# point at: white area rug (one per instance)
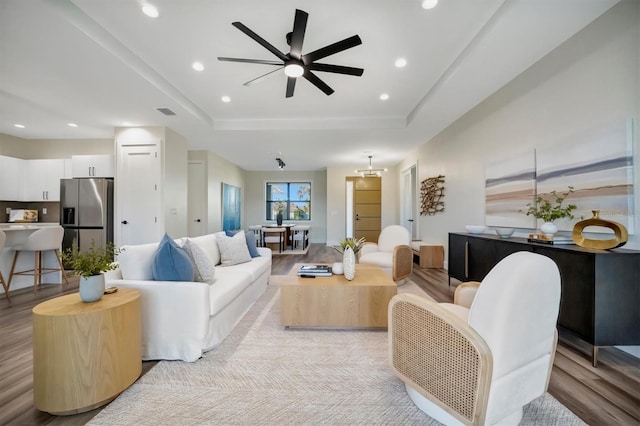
(263, 374)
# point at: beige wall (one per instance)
(219, 171)
(255, 199)
(53, 148)
(589, 83)
(175, 183)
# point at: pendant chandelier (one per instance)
(371, 172)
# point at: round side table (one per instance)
(85, 354)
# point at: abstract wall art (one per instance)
(231, 207)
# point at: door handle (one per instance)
(410, 220)
(124, 222)
(357, 216)
(197, 220)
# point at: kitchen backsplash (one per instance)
(52, 215)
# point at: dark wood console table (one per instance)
(600, 300)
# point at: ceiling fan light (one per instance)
(429, 4)
(293, 70)
(150, 10)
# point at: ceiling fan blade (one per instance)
(262, 77)
(251, 61)
(297, 37)
(331, 49)
(339, 69)
(315, 80)
(264, 43)
(291, 85)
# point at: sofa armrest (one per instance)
(264, 251)
(114, 274)
(175, 317)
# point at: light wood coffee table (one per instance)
(335, 302)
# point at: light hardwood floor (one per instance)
(607, 395)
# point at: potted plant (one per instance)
(90, 265)
(551, 209)
(354, 244)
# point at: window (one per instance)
(293, 199)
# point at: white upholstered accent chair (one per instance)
(482, 364)
(392, 252)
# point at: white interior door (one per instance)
(139, 202)
(197, 199)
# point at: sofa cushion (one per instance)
(230, 283)
(203, 267)
(381, 258)
(233, 250)
(135, 261)
(170, 262)
(209, 244)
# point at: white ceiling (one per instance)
(100, 63)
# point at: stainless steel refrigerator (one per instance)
(86, 212)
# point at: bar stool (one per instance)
(300, 233)
(44, 239)
(257, 231)
(274, 235)
(3, 239)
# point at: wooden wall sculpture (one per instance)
(431, 193)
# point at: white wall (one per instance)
(589, 83)
(255, 199)
(336, 211)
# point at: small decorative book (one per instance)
(555, 240)
(315, 270)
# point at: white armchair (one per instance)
(392, 252)
(482, 364)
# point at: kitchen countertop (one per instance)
(25, 226)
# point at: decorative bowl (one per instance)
(504, 232)
(475, 229)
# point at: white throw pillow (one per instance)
(203, 267)
(135, 261)
(233, 250)
(209, 245)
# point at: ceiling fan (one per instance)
(295, 63)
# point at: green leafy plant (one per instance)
(93, 261)
(550, 210)
(355, 245)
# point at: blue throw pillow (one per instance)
(170, 262)
(250, 238)
(251, 243)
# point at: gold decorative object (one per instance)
(431, 193)
(620, 238)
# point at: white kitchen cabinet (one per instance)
(10, 178)
(41, 180)
(89, 166)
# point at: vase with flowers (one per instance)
(349, 247)
(550, 208)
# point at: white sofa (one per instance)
(182, 320)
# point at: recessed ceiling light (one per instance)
(384, 96)
(72, 125)
(197, 66)
(225, 99)
(19, 126)
(150, 10)
(429, 4)
(401, 62)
